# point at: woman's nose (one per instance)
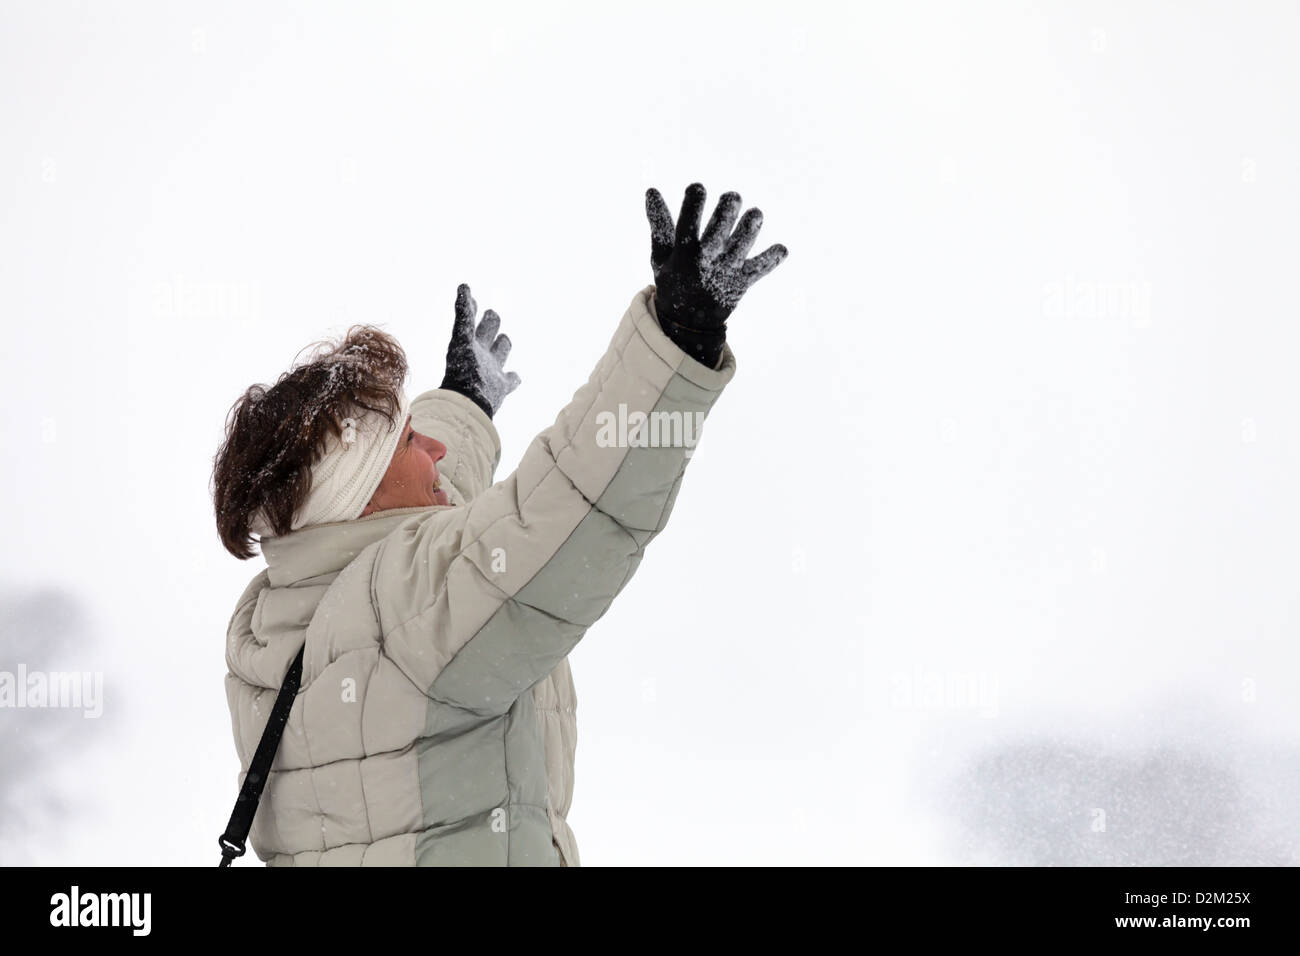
(437, 450)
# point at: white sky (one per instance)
(1019, 407)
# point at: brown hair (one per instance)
(274, 435)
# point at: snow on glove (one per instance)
(475, 357)
(700, 279)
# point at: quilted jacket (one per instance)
(436, 720)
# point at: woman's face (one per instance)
(412, 479)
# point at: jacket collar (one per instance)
(329, 548)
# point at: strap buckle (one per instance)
(230, 849)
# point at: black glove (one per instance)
(475, 359)
(700, 279)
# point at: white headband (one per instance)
(345, 478)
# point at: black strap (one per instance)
(241, 819)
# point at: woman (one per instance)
(435, 721)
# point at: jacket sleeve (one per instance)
(473, 445)
(478, 603)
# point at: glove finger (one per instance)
(465, 310)
(763, 263)
(742, 239)
(501, 348)
(719, 227)
(512, 381)
(688, 224)
(488, 328)
(661, 228)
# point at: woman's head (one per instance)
(262, 473)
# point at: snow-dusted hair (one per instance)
(274, 435)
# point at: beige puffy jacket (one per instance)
(436, 721)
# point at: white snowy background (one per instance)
(989, 553)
